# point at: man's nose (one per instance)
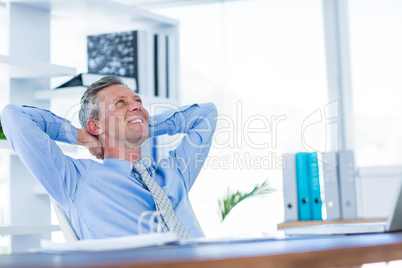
(135, 106)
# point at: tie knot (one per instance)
(139, 168)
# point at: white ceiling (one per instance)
(151, 4)
(141, 4)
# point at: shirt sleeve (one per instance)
(32, 133)
(198, 122)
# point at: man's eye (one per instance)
(138, 100)
(119, 101)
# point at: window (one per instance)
(263, 64)
(376, 57)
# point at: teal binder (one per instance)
(315, 190)
(303, 187)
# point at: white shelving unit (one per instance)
(28, 229)
(29, 70)
(58, 93)
(4, 144)
(20, 68)
(29, 210)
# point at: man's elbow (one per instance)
(212, 112)
(7, 115)
(212, 107)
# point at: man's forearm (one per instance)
(32, 132)
(198, 122)
(184, 119)
(32, 121)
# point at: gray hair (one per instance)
(89, 103)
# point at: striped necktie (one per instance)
(167, 217)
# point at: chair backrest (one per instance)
(196, 220)
(65, 226)
(69, 233)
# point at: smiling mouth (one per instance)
(135, 121)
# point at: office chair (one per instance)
(69, 233)
(195, 219)
(65, 226)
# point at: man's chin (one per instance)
(136, 143)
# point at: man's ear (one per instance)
(93, 127)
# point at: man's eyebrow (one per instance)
(125, 97)
(120, 97)
(137, 97)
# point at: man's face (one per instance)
(122, 116)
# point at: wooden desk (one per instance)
(307, 252)
(291, 224)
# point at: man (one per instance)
(108, 199)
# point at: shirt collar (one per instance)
(127, 166)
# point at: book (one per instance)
(347, 183)
(161, 66)
(290, 188)
(169, 56)
(114, 54)
(303, 187)
(86, 79)
(331, 185)
(314, 183)
(143, 65)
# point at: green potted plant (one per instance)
(2, 136)
(230, 200)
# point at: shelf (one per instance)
(66, 148)
(99, 10)
(77, 92)
(379, 171)
(292, 224)
(26, 69)
(28, 229)
(4, 144)
(39, 190)
(48, 94)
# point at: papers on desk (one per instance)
(116, 243)
(141, 241)
(233, 239)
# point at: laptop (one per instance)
(393, 224)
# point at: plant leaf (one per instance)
(230, 200)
